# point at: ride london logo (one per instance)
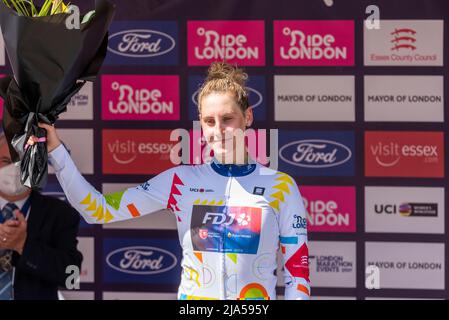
(240, 42)
(140, 97)
(143, 43)
(141, 260)
(312, 43)
(329, 209)
(304, 153)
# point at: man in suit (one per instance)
(38, 238)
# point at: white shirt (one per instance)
(230, 220)
(18, 203)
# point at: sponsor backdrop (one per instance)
(361, 121)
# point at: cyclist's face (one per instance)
(223, 123)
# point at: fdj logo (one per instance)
(299, 222)
(220, 218)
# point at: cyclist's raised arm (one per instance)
(95, 207)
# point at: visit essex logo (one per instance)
(130, 151)
(404, 154)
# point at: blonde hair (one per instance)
(223, 77)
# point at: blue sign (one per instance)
(307, 153)
(137, 260)
(143, 43)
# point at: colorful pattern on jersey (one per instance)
(231, 220)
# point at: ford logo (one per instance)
(315, 153)
(252, 93)
(140, 43)
(141, 260)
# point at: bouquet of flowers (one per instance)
(51, 59)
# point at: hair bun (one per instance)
(224, 70)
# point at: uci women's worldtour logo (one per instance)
(317, 154)
(404, 209)
(142, 43)
(404, 154)
(241, 42)
(140, 97)
(311, 43)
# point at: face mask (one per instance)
(10, 180)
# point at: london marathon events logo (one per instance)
(141, 260)
(316, 153)
(241, 42)
(143, 43)
(140, 97)
(302, 43)
(332, 264)
(404, 154)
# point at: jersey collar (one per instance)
(232, 170)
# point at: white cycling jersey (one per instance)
(231, 220)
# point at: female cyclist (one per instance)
(232, 232)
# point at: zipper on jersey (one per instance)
(223, 293)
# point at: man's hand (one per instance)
(13, 233)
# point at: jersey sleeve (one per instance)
(97, 208)
(293, 242)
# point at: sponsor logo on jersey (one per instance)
(226, 229)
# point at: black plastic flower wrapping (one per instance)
(50, 64)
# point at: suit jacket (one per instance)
(50, 247)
